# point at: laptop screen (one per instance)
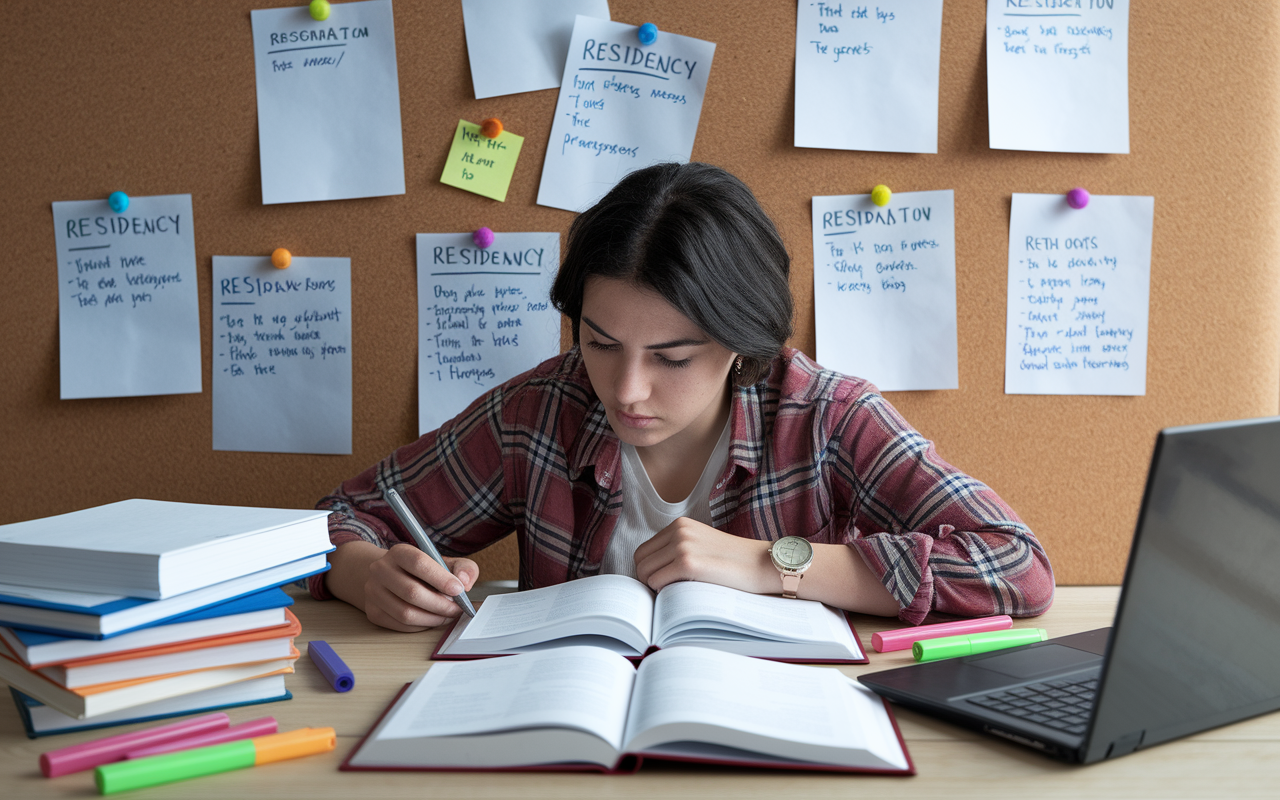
(1196, 641)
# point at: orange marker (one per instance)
(491, 127)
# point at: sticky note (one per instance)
(1078, 295)
(884, 288)
(484, 316)
(128, 307)
(480, 164)
(1058, 75)
(282, 355)
(622, 106)
(517, 46)
(867, 75)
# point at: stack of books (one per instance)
(146, 609)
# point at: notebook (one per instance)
(587, 708)
(97, 616)
(41, 720)
(156, 549)
(1196, 637)
(622, 614)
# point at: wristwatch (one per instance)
(792, 556)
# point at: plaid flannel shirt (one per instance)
(813, 453)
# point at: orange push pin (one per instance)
(281, 258)
(491, 127)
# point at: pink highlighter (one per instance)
(112, 748)
(245, 730)
(903, 638)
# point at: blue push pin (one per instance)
(118, 201)
(648, 33)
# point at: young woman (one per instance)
(680, 439)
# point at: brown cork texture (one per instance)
(156, 97)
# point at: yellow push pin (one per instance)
(281, 258)
(880, 195)
(319, 10)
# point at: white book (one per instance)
(79, 676)
(578, 707)
(623, 615)
(156, 549)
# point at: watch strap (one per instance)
(791, 584)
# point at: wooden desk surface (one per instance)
(1241, 760)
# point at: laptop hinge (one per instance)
(1125, 744)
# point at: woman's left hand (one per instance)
(687, 550)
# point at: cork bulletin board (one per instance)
(156, 97)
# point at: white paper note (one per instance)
(884, 288)
(867, 76)
(1058, 75)
(128, 307)
(282, 355)
(518, 45)
(622, 106)
(328, 103)
(483, 316)
(1079, 282)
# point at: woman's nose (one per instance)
(632, 385)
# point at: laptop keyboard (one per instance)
(1063, 705)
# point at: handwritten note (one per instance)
(282, 355)
(1079, 282)
(884, 286)
(1058, 75)
(328, 103)
(518, 46)
(622, 106)
(483, 316)
(128, 309)
(867, 75)
(480, 164)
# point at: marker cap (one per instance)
(294, 744)
(331, 667)
(955, 646)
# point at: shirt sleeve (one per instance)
(452, 478)
(939, 539)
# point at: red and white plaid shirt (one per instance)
(813, 453)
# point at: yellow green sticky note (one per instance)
(480, 164)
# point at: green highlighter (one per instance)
(973, 643)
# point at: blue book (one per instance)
(96, 616)
(263, 609)
(41, 720)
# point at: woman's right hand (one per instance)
(403, 589)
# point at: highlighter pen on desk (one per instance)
(155, 770)
(953, 646)
(903, 638)
(407, 519)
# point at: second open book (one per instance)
(621, 614)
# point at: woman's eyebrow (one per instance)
(659, 346)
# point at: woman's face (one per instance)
(656, 372)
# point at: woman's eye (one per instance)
(684, 362)
(594, 345)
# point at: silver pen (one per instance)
(410, 521)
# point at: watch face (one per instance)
(792, 552)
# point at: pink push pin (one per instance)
(482, 237)
(1077, 198)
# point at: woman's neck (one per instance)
(675, 464)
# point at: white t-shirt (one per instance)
(644, 512)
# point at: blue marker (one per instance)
(118, 201)
(331, 667)
(648, 33)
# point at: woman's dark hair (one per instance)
(696, 236)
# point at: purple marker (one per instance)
(331, 667)
(245, 730)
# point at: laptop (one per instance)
(1195, 643)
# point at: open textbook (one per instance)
(587, 708)
(621, 614)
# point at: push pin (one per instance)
(483, 238)
(1077, 198)
(281, 258)
(491, 127)
(118, 201)
(648, 33)
(319, 10)
(880, 195)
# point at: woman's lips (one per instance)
(634, 420)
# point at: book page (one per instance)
(692, 604)
(573, 687)
(779, 710)
(614, 596)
